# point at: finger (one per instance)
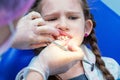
(44, 38)
(38, 22)
(46, 30)
(33, 15)
(78, 53)
(40, 42)
(72, 47)
(33, 46)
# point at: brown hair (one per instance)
(90, 40)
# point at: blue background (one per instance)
(108, 28)
(107, 31)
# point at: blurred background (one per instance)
(107, 17)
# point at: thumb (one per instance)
(77, 52)
(72, 47)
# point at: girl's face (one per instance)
(67, 16)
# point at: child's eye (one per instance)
(72, 17)
(52, 19)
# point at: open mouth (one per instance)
(63, 36)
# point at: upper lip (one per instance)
(62, 33)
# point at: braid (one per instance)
(99, 62)
(54, 77)
(92, 41)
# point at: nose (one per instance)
(62, 25)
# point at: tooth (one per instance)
(63, 38)
(66, 37)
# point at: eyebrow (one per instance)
(67, 12)
(50, 14)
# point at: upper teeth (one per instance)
(62, 38)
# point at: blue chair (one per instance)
(13, 61)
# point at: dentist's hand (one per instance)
(53, 60)
(32, 32)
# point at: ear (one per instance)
(88, 26)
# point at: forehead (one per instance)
(50, 5)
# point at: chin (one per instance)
(75, 42)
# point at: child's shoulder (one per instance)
(110, 61)
(112, 66)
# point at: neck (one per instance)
(75, 71)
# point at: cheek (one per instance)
(78, 38)
(78, 28)
(78, 33)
